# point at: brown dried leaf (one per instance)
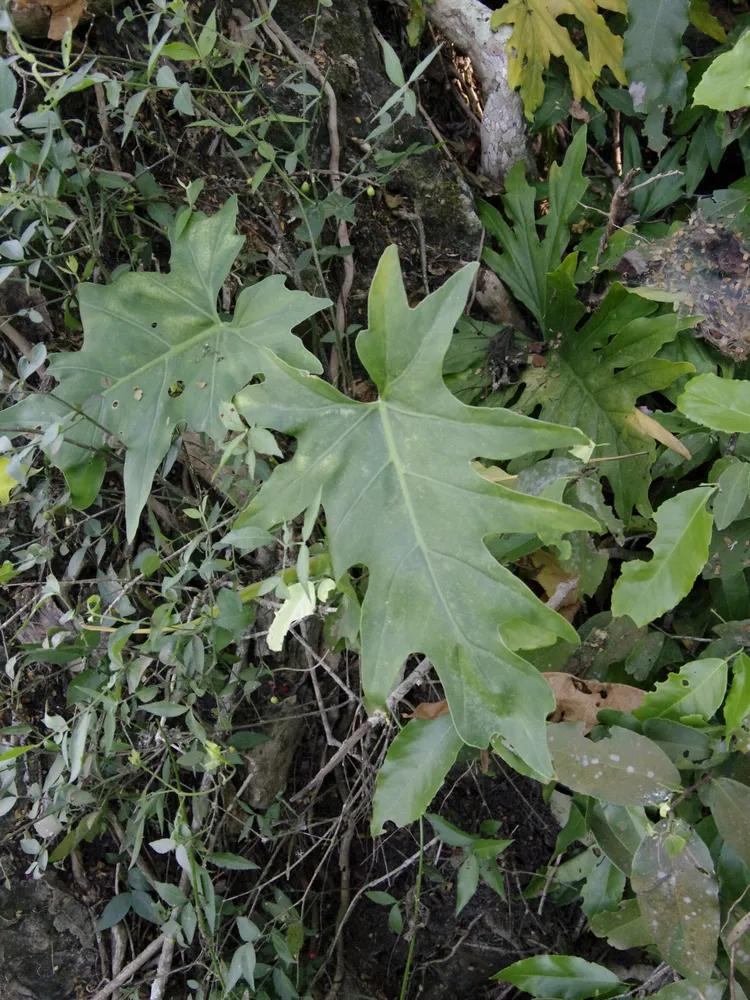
(581, 701)
(429, 710)
(652, 428)
(63, 14)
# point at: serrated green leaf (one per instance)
(168, 333)
(734, 486)
(594, 378)
(390, 474)
(722, 404)
(737, 705)
(413, 771)
(623, 928)
(653, 61)
(725, 86)
(696, 689)
(730, 808)
(537, 36)
(603, 888)
(562, 976)
(678, 898)
(526, 261)
(646, 590)
(625, 769)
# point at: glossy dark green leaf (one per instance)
(116, 910)
(730, 808)
(603, 888)
(678, 898)
(390, 474)
(618, 831)
(562, 976)
(625, 769)
(624, 927)
(414, 768)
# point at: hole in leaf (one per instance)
(602, 693)
(115, 404)
(154, 325)
(685, 682)
(176, 388)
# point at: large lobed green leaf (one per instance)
(157, 354)
(596, 374)
(526, 261)
(401, 498)
(647, 590)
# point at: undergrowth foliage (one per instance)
(555, 514)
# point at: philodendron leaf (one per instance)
(156, 353)
(526, 261)
(647, 590)
(413, 771)
(625, 769)
(595, 376)
(673, 878)
(720, 403)
(562, 976)
(696, 689)
(730, 808)
(391, 475)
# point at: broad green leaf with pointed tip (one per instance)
(730, 808)
(723, 404)
(647, 590)
(734, 486)
(564, 976)
(683, 990)
(413, 771)
(725, 86)
(156, 353)
(618, 831)
(595, 376)
(623, 928)
(698, 688)
(603, 888)
(526, 261)
(393, 475)
(679, 898)
(625, 769)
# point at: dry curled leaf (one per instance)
(581, 701)
(652, 428)
(429, 710)
(560, 588)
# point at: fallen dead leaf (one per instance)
(429, 710)
(63, 14)
(581, 701)
(560, 588)
(652, 428)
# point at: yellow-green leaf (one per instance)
(7, 482)
(537, 36)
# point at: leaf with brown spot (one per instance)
(581, 701)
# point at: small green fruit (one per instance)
(305, 187)
(370, 191)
